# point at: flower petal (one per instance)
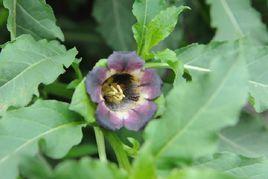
(107, 118)
(150, 84)
(138, 117)
(94, 80)
(125, 61)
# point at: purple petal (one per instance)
(107, 118)
(125, 61)
(150, 84)
(138, 117)
(94, 80)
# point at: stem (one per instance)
(120, 153)
(77, 71)
(157, 65)
(100, 144)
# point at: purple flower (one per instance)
(124, 91)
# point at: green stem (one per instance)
(157, 65)
(77, 71)
(120, 153)
(100, 144)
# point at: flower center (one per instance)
(120, 91)
(113, 93)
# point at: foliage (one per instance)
(25, 63)
(210, 122)
(50, 122)
(118, 15)
(32, 17)
(236, 19)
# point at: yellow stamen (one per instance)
(113, 93)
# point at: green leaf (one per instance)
(196, 59)
(170, 58)
(248, 138)
(35, 167)
(257, 62)
(3, 15)
(146, 10)
(33, 17)
(156, 30)
(194, 173)
(185, 133)
(133, 150)
(21, 130)
(82, 104)
(73, 84)
(237, 19)
(82, 150)
(101, 63)
(88, 168)
(239, 166)
(25, 63)
(116, 26)
(161, 106)
(144, 165)
(173, 41)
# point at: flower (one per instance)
(124, 91)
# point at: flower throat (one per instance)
(120, 88)
(113, 93)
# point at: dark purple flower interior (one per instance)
(120, 91)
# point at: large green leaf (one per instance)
(88, 168)
(239, 166)
(115, 21)
(22, 129)
(33, 17)
(25, 63)
(149, 35)
(185, 133)
(248, 138)
(196, 59)
(235, 19)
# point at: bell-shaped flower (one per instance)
(124, 91)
